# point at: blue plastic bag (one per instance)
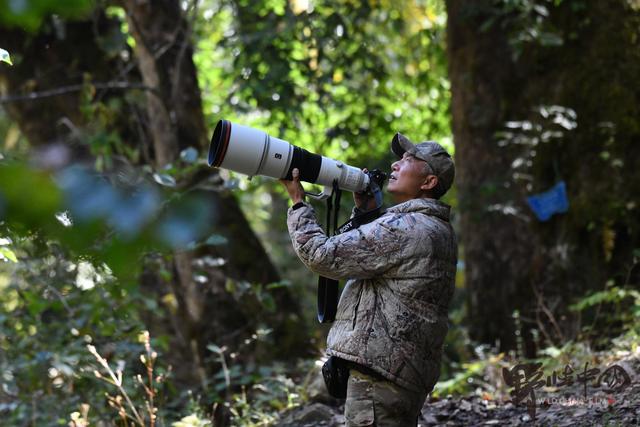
(553, 201)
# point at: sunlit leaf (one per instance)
(214, 348)
(189, 155)
(164, 179)
(550, 39)
(7, 254)
(4, 57)
(216, 240)
(30, 197)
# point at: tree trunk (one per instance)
(512, 260)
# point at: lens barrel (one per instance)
(308, 164)
(253, 152)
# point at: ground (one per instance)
(558, 406)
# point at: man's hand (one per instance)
(363, 201)
(294, 188)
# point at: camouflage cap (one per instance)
(433, 154)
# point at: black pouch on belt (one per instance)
(336, 375)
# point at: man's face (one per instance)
(408, 178)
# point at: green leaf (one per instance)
(164, 179)
(214, 348)
(216, 240)
(611, 295)
(29, 14)
(7, 254)
(189, 155)
(550, 39)
(4, 57)
(31, 197)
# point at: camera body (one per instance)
(376, 178)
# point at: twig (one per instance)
(225, 369)
(543, 328)
(150, 390)
(75, 88)
(61, 298)
(115, 380)
(546, 311)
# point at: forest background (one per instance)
(131, 268)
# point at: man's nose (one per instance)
(394, 166)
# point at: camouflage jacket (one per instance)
(392, 314)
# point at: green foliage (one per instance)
(479, 372)
(339, 79)
(144, 412)
(254, 395)
(267, 398)
(613, 294)
(611, 312)
(573, 353)
(51, 308)
(92, 217)
(527, 22)
(192, 420)
(30, 13)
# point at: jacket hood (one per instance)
(431, 207)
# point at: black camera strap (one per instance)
(361, 219)
(328, 289)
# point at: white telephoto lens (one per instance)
(276, 159)
(349, 178)
(244, 150)
(253, 152)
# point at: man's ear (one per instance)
(430, 182)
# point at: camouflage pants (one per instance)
(380, 403)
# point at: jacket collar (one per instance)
(425, 206)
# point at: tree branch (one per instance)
(75, 88)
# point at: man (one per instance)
(392, 315)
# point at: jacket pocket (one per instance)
(360, 414)
(359, 409)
